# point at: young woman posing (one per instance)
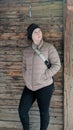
(38, 77)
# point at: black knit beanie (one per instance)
(30, 30)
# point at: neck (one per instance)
(39, 45)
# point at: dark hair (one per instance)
(30, 30)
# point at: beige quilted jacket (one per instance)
(35, 73)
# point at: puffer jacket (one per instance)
(35, 73)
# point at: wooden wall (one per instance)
(15, 16)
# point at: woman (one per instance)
(38, 77)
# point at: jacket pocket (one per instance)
(43, 76)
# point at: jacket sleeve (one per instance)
(53, 58)
(23, 64)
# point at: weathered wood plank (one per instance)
(48, 35)
(68, 68)
(17, 126)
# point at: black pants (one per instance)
(43, 97)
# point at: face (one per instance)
(37, 36)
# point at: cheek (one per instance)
(41, 35)
(34, 38)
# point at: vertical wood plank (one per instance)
(68, 67)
